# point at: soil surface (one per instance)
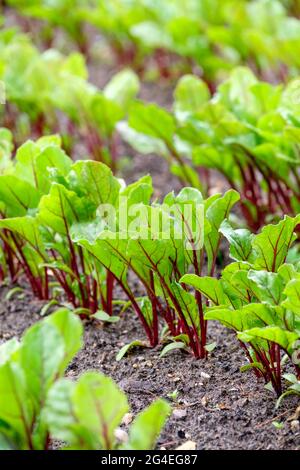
(218, 407)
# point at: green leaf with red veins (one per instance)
(95, 182)
(40, 162)
(31, 247)
(250, 316)
(18, 196)
(271, 246)
(63, 208)
(236, 284)
(185, 304)
(211, 288)
(16, 412)
(110, 253)
(27, 372)
(28, 229)
(85, 414)
(42, 367)
(270, 286)
(284, 338)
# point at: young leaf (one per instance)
(250, 316)
(190, 94)
(240, 242)
(216, 213)
(85, 414)
(283, 338)
(211, 288)
(125, 349)
(272, 244)
(152, 121)
(147, 426)
(292, 292)
(122, 88)
(270, 286)
(171, 347)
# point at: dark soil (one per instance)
(228, 410)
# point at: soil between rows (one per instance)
(228, 410)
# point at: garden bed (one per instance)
(227, 410)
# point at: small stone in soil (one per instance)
(295, 425)
(179, 413)
(204, 401)
(189, 445)
(127, 419)
(204, 376)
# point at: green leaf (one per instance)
(62, 208)
(210, 347)
(171, 347)
(270, 286)
(40, 162)
(85, 414)
(103, 316)
(71, 330)
(272, 244)
(185, 305)
(122, 88)
(17, 195)
(240, 242)
(216, 213)
(14, 410)
(42, 353)
(150, 120)
(148, 425)
(190, 94)
(128, 347)
(144, 144)
(250, 316)
(95, 181)
(211, 288)
(275, 334)
(252, 365)
(8, 349)
(27, 227)
(292, 292)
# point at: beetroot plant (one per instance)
(43, 406)
(42, 195)
(159, 257)
(258, 297)
(247, 132)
